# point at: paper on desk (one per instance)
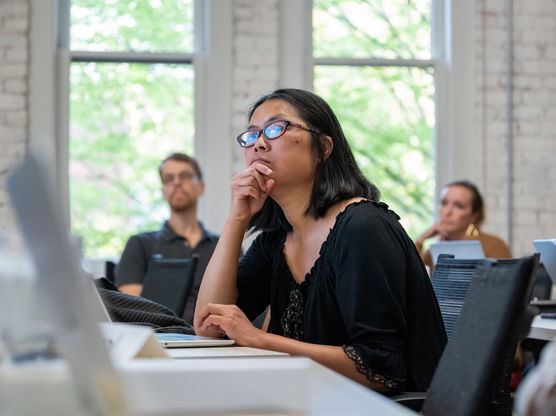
(126, 342)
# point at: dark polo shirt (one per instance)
(165, 243)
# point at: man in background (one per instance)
(181, 236)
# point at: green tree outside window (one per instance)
(387, 111)
(125, 117)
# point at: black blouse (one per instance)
(368, 292)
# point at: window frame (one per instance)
(453, 52)
(49, 96)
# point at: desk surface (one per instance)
(215, 386)
(328, 393)
(261, 386)
(542, 328)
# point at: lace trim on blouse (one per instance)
(368, 372)
(292, 318)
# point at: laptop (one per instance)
(460, 249)
(52, 251)
(547, 248)
(171, 340)
(69, 300)
(146, 387)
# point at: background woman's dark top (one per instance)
(367, 292)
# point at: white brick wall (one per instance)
(255, 60)
(534, 98)
(14, 18)
(535, 143)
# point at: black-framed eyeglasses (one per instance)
(183, 176)
(272, 131)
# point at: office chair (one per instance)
(110, 270)
(450, 280)
(473, 375)
(169, 281)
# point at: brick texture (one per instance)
(14, 25)
(255, 60)
(532, 178)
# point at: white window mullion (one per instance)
(212, 109)
(46, 89)
(458, 144)
(296, 48)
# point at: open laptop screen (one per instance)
(460, 249)
(547, 248)
(61, 282)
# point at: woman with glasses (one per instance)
(345, 284)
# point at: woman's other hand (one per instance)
(229, 320)
(250, 189)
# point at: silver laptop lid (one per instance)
(460, 249)
(62, 283)
(547, 248)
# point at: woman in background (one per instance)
(344, 282)
(461, 215)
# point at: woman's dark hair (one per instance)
(477, 205)
(337, 177)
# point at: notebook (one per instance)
(460, 249)
(547, 248)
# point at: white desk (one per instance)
(210, 386)
(543, 329)
(261, 386)
(267, 380)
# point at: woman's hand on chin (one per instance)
(250, 189)
(229, 320)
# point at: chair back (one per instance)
(169, 281)
(450, 280)
(110, 270)
(494, 317)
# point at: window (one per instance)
(373, 63)
(131, 102)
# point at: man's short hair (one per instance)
(182, 157)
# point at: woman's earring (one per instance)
(472, 231)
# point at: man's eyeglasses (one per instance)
(272, 131)
(182, 176)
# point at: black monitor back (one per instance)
(169, 281)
